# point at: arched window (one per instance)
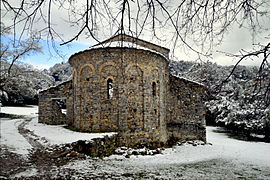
(154, 88)
(109, 88)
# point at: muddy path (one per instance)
(29, 135)
(12, 164)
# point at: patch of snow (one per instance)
(27, 173)
(222, 148)
(181, 77)
(238, 150)
(257, 135)
(11, 137)
(64, 111)
(47, 134)
(31, 110)
(57, 134)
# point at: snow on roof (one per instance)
(51, 87)
(126, 41)
(125, 44)
(136, 40)
(180, 77)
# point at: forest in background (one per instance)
(26, 82)
(239, 103)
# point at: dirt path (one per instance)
(29, 135)
(41, 159)
(12, 163)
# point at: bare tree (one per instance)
(196, 25)
(202, 23)
(262, 82)
(10, 55)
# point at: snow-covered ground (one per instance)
(224, 153)
(51, 134)
(29, 110)
(44, 134)
(236, 151)
(223, 148)
(11, 138)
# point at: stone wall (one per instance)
(97, 147)
(137, 108)
(49, 109)
(186, 111)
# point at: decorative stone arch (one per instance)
(110, 63)
(110, 77)
(113, 73)
(85, 78)
(89, 65)
(85, 93)
(106, 71)
(136, 65)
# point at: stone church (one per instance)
(123, 85)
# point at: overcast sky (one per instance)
(233, 42)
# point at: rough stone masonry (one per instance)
(123, 85)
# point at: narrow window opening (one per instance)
(109, 88)
(154, 88)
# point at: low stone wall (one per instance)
(50, 110)
(98, 147)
